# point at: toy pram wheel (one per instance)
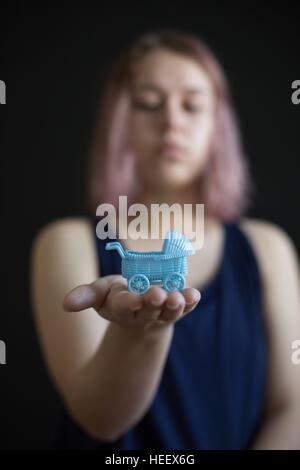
(173, 282)
(139, 284)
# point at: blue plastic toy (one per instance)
(167, 267)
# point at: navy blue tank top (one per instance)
(212, 390)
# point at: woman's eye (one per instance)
(192, 108)
(146, 105)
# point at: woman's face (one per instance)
(171, 119)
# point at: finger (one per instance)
(153, 302)
(88, 295)
(173, 307)
(192, 297)
(121, 303)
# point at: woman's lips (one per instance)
(171, 151)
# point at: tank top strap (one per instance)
(242, 258)
(109, 262)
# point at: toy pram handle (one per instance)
(116, 246)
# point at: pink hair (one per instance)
(224, 185)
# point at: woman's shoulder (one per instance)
(270, 242)
(264, 234)
(68, 240)
(64, 227)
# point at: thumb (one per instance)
(86, 296)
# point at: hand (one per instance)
(109, 296)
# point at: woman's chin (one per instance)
(168, 183)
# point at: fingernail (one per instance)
(194, 301)
(190, 304)
(156, 303)
(76, 299)
(136, 309)
(172, 307)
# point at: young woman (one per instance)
(163, 370)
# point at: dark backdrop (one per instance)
(53, 61)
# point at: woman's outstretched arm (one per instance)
(105, 360)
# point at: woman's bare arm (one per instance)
(107, 371)
(116, 387)
(281, 295)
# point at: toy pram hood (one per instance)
(177, 244)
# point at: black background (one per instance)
(53, 61)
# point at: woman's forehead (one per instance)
(166, 69)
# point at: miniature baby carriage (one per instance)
(167, 267)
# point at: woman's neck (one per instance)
(180, 196)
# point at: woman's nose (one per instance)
(172, 116)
